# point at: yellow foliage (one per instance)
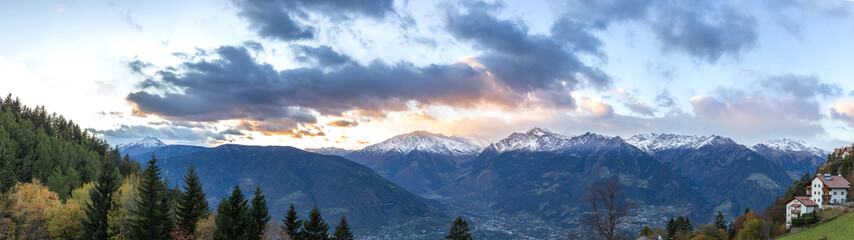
(206, 227)
(26, 206)
(65, 221)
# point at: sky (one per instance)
(347, 74)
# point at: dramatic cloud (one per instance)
(801, 86)
(843, 110)
(285, 20)
(518, 59)
(703, 30)
(229, 84)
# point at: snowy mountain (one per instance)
(334, 151)
(147, 142)
(425, 142)
(651, 142)
(535, 140)
(134, 149)
(791, 145)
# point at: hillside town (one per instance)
(824, 191)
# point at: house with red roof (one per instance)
(842, 152)
(828, 190)
(798, 206)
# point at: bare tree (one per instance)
(608, 209)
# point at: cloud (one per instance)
(286, 20)
(758, 115)
(522, 61)
(166, 132)
(321, 55)
(703, 30)
(595, 107)
(851, 94)
(343, 123)
(633, 104)
(663, 99)
(228, 83)
(843, 110)
(801, 86)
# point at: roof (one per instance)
(805, 200)
(834, 181)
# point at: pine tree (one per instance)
(232, 219)
(459, 230)
(315, 228)
(259, 215)
(152, 217)
(671, 227)
(342, 231)
(291, 223)
(720, 222)
(95, 225)
(192, 205)
(688, 226)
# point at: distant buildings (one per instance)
(843, 152)
(823, 190)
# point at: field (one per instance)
(839, 228)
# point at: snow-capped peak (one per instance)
(426, 142)
(329, 151)
(792, 145)
(655, 142)
(147, 142)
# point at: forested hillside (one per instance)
(37, 145)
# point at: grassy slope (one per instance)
(839, 228)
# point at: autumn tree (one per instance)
(608, 209)
(26, 207)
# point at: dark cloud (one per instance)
(842, 116)
(635, 105)
(343, 123)
(285, 20)
(523, 61)
(801, 86)
(703, 30)
(234, 85)
(321, 55)
(166, 132)
(137, 66)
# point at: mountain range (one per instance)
(538, 173)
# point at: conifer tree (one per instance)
(259, 215)
(315, 228)
(720, 222)
(192, 205)
(671, 227)
(688, 226)
(291, 224)
(342, 231)
(459, 230)
(232, 219)
(95, 225)
(152, 218)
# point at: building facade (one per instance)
(797, 206)
(828, 190)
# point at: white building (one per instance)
(798, 206)
(828, 190)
